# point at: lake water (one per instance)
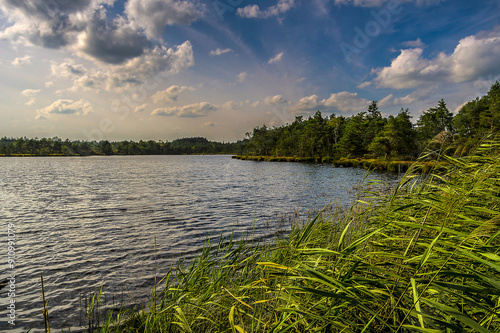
(87, 222)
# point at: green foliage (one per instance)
(433, 122)
(477, 119)
(55, 146)
(423, 257)
(369, 135)
(397, 139)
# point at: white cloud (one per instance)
(219, 52)
(242, 77)
(119, 78)
(386, 101)
(474, 57)
(414, 43)
(140, 108)
(232, 105)
(273, 100)
(415, 96)
(18, 62)
(49, 24)
(153, 15)
(344, 102)
(67, 69)
(49, 84)
(65, 107)
(208, 124)
(160, 59)
(87, 28)
(307, 104)
(30, 92)
(418, 95)
(277, 58)
(188, 111)
(170, 94)
(364, 85)
(253, 11)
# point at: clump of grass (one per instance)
(421, 258)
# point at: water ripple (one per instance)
(91, 222)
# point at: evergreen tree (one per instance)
(433, 122)
(352, 144)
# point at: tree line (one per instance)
(365, 135)
(56, 146)
(369, 135)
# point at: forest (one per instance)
(369, 135)
(57, 147)
(365, 135)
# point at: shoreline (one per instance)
(372, 164)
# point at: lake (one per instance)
(87, 222)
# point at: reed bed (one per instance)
(422, 258)
(366, 163)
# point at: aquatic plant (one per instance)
(421, 258)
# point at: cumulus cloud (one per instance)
(51, 24)
(160, 59)
(65, 107)
(277, 58)
(18, 62)
(364, 85)
(414, 43)
(345, 102)
(242, 77)
(219, 52)
(232, 105)
(415, 96)
(273, 100)
(154, 15)
(85, 26)
(67, 69)
(30, 92)
(129, 75)
(111, 42)
(307, 104)
(140, 108)
(188, 111)
(170, 94)
(474, 57)
(254, 11)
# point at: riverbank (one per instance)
(423, 258)
(372, 164)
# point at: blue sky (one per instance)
(164, 69)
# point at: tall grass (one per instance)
(423, 258)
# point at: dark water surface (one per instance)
(87, 222)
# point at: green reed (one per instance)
(420, 258)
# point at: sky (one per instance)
(167, 69)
